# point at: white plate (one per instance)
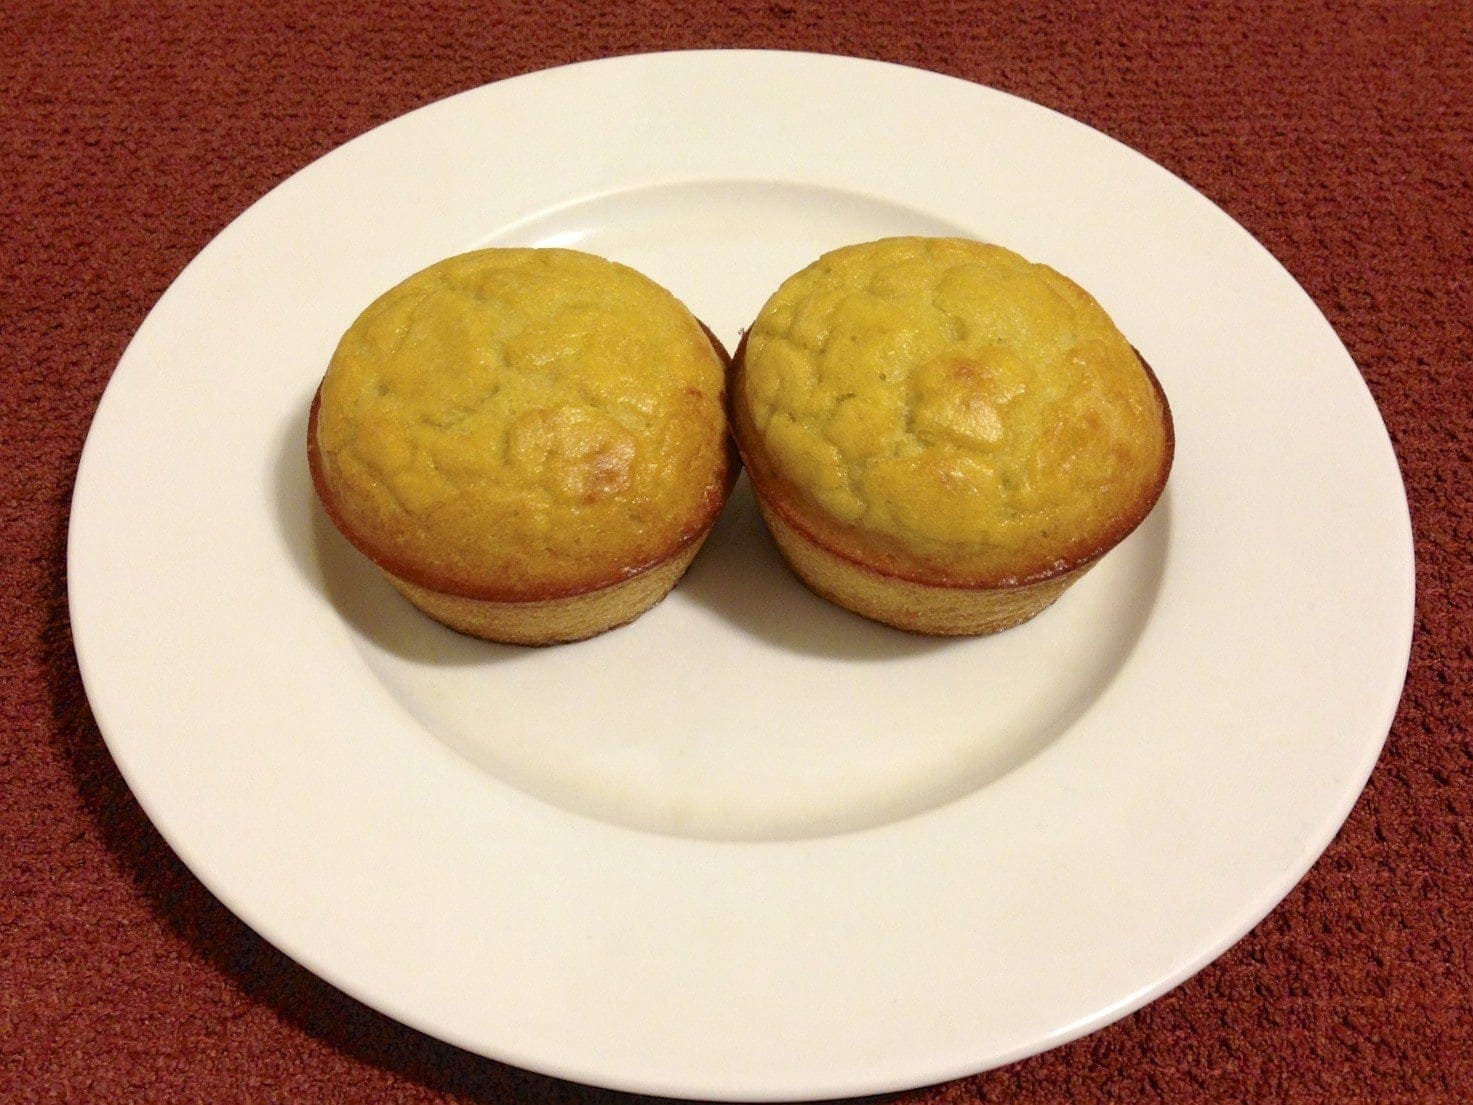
(751, 846)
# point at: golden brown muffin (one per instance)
(530, 443)
(942, 435)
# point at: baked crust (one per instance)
(979, 588)
(595, 486)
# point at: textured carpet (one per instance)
(130, 133)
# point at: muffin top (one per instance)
(945, 410)
(517, 424)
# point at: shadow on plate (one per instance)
(741, 576)
(356, 589)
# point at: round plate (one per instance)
(750, 846)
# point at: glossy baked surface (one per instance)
(519, 423)
(944, 407)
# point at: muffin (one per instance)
(943, 436)
(531, 444)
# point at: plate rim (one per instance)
(1312, 846)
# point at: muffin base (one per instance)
(904, 604)
(552, 621)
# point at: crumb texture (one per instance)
(523, 421)
(950, 399)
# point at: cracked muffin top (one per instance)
(947, 411)
(517, 424)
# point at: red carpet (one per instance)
(1340, 134)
